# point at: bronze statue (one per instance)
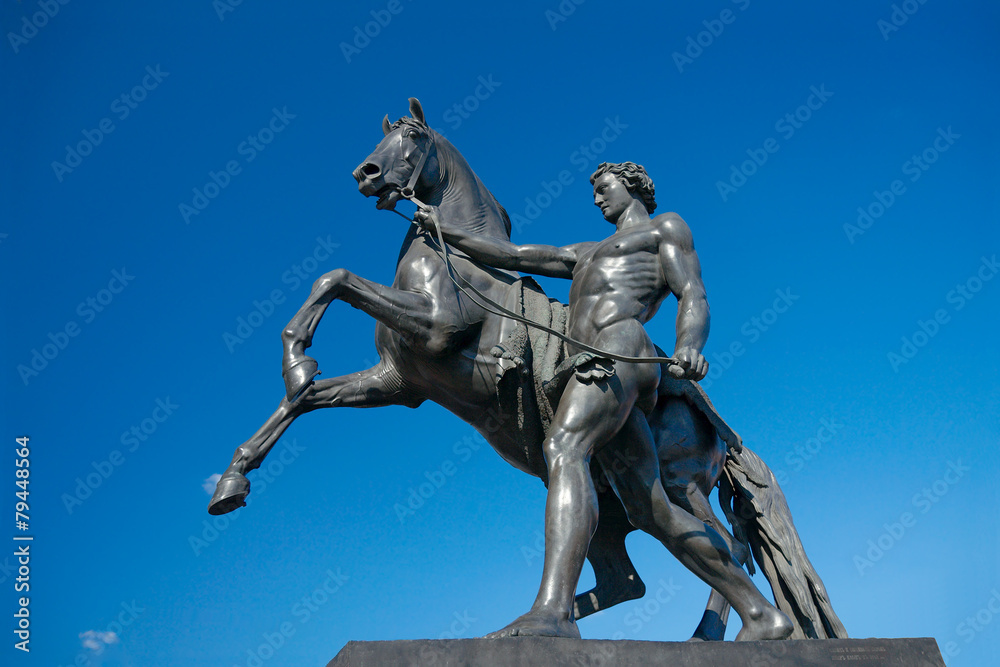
(546, 413)
(618, 285)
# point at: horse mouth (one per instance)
(388, 195)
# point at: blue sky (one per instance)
(836, 161)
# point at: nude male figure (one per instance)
(618, 285)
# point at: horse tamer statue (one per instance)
(623, 436)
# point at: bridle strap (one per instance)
(409, 190)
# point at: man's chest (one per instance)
(639, 246)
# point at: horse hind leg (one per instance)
(712, 626)
(375, 387)
(616, 578)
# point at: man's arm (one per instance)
(543, 260)
(682, 272)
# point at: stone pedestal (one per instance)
(552, 652)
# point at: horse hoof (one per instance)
(299, 377)
(230, 493)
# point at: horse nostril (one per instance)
(370, 170)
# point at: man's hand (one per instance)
(690, 365)
(428, 219)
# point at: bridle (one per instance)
(408, 191)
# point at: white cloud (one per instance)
(210, 482)
(96, 640)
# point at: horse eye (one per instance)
(412, 134)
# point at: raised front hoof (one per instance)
(538, 624)
(230, 493)
(770, 624)
(299, 375)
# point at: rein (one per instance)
(497, 309)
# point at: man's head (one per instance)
(637, 184)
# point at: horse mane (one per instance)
(503, 212)
(438, 138)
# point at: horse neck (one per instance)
(463, 200)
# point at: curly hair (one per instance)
(635, 179)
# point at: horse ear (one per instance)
(386, 125)
(416, 110)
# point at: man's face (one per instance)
(611, 196)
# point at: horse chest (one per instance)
(420, 268)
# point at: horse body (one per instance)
(435, 342)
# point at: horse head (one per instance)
(407, 157)
(414, 160)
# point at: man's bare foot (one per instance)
(537, 623)
(768, 624)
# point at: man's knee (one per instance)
(562, 448)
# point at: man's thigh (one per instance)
(591, 412)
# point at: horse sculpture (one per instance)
(437, 343)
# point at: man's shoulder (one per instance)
(673, 229)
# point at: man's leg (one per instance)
(588, 415)
(697, 546)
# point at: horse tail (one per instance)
(755, 506)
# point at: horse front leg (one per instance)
(375, 387)
(407, 313)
